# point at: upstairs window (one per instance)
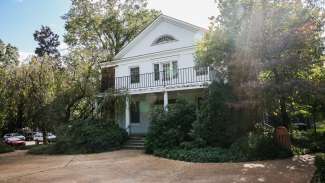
(156, 71)
(164, 39)
(135, 75)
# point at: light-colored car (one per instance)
(39, 137)
(17, 135)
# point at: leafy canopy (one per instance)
(105, 26)
(48, 42)
(266, 50)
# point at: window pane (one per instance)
(135, 112)
(175, 69)
(166, 71)
(135, 75)
(156, 70)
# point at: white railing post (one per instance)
(127, 114)
(166, 100)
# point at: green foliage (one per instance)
(208, 154)
(309, 140)
(8, 55)
(270, 52)
(106, 26)
(258, 147)
(219, 123)
(85, 136)
(251, 148)
(176, 134)
(319, 176)
(170, 129)
(48, 42)
(5, 148)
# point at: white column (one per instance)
(127, 114)
(165, 101)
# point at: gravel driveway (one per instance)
(134, 166)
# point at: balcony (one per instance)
(193, 77)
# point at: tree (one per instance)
(8, 55)
(8, 60)
(106, 26)
(82, 80)
(48, 42)
(268, 49)
(44, 87)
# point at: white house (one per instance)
(155, 68)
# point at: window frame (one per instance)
(171, 73)
(138, 77)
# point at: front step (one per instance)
(135, 142)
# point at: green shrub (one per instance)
(219, 124)
(85, 136)
(250, 148)
(203, 155)
(4, 148)
(309, 140)
(258, 147)
(319, 176)
(172, 128)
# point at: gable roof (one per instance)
(158, 20)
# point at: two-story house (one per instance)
(155, 68)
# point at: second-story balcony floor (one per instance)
(178, 79)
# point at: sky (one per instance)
(20, 18)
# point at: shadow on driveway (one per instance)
(135, 166)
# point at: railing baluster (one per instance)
(183, 76)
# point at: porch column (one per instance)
(165, 101)
(127, 114)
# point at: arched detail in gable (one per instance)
(166, 38)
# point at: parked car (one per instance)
(39, 137)
(17, 135)
(14, 141)
(29, 136)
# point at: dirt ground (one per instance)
(127, 166)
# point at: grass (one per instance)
(321, 127)
(5, 148)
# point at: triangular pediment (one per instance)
(163, 34)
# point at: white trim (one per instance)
(155, 54)
(161, 18)
(169, 89)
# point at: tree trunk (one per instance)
(45, 141)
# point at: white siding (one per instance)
(184, 36)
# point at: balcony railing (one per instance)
(185, 77)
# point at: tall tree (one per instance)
(48, 42)
(8, 61)
(268, 49)
(8, 55)
(105, 26)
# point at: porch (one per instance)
(135, 117)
